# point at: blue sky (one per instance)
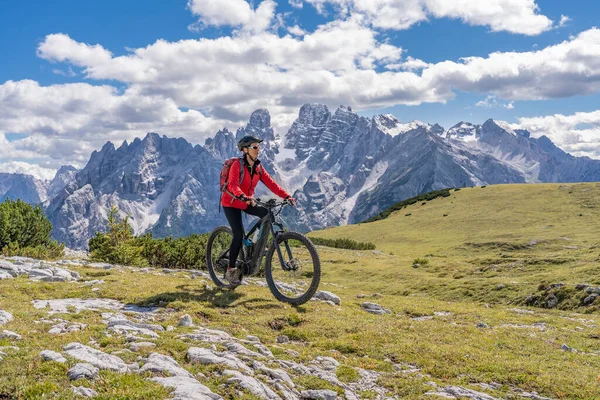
(77, 74)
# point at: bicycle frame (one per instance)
(265, 225)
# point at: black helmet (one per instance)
(247, 141)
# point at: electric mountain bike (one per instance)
(292, 266)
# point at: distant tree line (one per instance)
(405, 203)
(25, 231)
(343, 243)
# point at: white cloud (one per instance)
(411, 64)
(577, 134)
(65, 123)
(335, 64)
(59, 47)
(563, 21)
(296, 30)
(236, 13)
(19, 167)
(515, 16)
(296, 3)
(68, 73)
(491, 101)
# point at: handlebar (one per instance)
(272, 203)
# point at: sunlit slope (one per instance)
(497, 244)
(513, 214)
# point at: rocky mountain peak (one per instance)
(62, 178)
(492, 126)
(223, 145)
(260, 119)
(259, 126)
(313, 114)
(464, 130)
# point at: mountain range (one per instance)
(343, 168)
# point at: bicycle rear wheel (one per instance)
(295, 278)
(217, 254)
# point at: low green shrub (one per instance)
(405, 203)
(119, 246)
(343, 243)
(25, 231)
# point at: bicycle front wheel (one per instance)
(217, 254)
(293, 268)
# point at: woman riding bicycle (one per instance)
(239, 197)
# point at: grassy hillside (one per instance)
(524, 237)
(457, 274)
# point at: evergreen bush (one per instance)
(25, 231)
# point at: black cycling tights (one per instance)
(234, 216)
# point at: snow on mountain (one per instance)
(464, 131)
(63, 177)
(21, 186)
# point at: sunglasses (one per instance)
(255, 147)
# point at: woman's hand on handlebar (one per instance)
(291, 200)
(248, 200)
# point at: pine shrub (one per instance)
(25, 231)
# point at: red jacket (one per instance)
(247, 186)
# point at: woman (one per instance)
(238, 197)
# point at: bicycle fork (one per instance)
(284, 265)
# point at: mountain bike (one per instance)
(292, 266)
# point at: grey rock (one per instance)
(551, 300)
(277, 374)
(10, 268)
(592, 290)
(63, 305)
(318, 394)
(140, 345)
(251, 384)
(208, 335)
(187, 388)
(83, 391)
(482, 325)
(207, 356)
(459, 392)
(263, 350)
(327, 296)
(49, 355)
(93, 282)
(327, 363)
(95, 357)
(125, 326)
(186, 320)
(532, 395)
(374, 308)
(9, 335)
(83, 371)
(241, 350)
(164, 364)
(590, 299)
(282, 339)
(5, 317)
(5, 275)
